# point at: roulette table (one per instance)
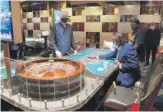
(75, 83)
(50, 84)
(50, 78)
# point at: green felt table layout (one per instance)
(3, 73)
(95, 66)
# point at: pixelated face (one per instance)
(134, 26)
(116, 40)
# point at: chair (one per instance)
(123, 98)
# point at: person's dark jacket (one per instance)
(138, 43)
(153, 37)
(129, 71)
(139, 38)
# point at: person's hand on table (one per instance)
(58, 54)
(93, 57)
(118, 63)
(75, 52)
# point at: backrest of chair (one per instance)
(155, 79)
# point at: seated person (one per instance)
(126, 59)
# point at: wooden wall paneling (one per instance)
(16, 21)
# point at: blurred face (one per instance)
(134, 26)
(116, 41)
(64, 16)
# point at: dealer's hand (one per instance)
(58, 54)
(75, 52)
(117, 62)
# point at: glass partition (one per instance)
(43, 83)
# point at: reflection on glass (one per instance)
(150, 10)
(127, 18)
(109, 27)
(146, 25)
(92, 39)
(29, 20)
(36, 14)
(77, 11)
(78, 26)
(44, 19)
(92, 18)
(36, 26)
(107, 10)
(57, 15)
(30, 33)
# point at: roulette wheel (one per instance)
(50, 78)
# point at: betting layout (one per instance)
(95, 66)
(98, 52)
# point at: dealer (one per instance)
(61, 37)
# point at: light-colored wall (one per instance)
(110, 18)
(93, 11)
(29, 14)
(69, 10)
(44, 13)
(105, 36)
(93, 27)
(24, 20)
(36, 20)
(78, 19)
(36, 32)
(79, 36)
(149, 18)
(30, 26)
(129, 10)
(124, 27)
(44, 26)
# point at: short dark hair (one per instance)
(135, 20)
